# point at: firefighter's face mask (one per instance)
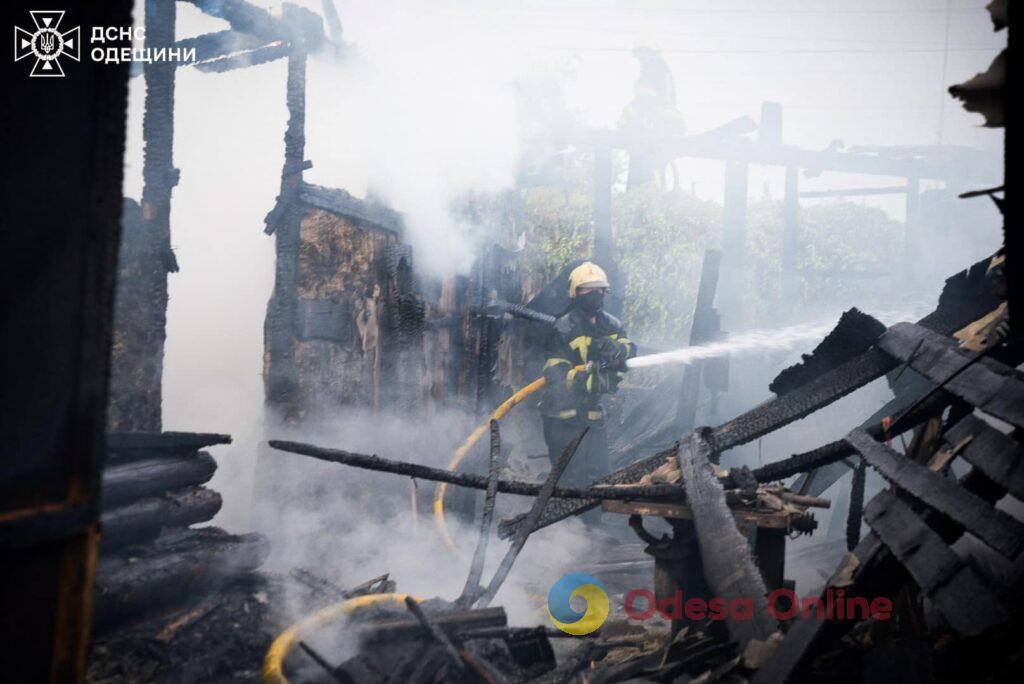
(592, 301)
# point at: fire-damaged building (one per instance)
(683, 555)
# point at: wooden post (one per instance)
(159, 178)
(280, 374)
(704, 329)
(734, 240)
(603, 223)
(728, 566)
(791, 238)
(911, 235)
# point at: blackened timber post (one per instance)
(790, 237)
(734, 244)
(603, 222)
(704, 329)
(159, 178)
(281, 375)
(911, 244)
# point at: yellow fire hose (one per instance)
(473, 438)
(273, 663)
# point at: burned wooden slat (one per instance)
(801, 463)
(806, 636)
(986, 384)
(126, 446)
(436, 633)
(143, 519)
(154, 476)
(998, 456)
(728, 564)
(453, 623)
(765, 519)
(854, 334)
(532, 518)
(803, 401)
(994, 527)
(955, 588)
(329, 669)
(855, 514)
(159, 574)
(706, 327)
(476, 568)
(421, 472)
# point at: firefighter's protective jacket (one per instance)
(571, 394)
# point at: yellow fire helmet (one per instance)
(587, 274)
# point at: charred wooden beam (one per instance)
(986, 384)
(854, 515)
(436, 633)
(869, 561)
(801, 463)
(154, 476)
(452, 623)
(854, 334)
(144, 519)
(126, 446)
(422, 472)
(531, 520)
(943, 576)
(476, 568)
(298, 26)
(160, 574)
(994, 527)
(243, 60)
(218, 44)
(728, 565)
(999, 457)
(706, 327)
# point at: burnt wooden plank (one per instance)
(992, 526)
(954, 587)
(998, 456)
(157, 575)
(141, 443)
(987, 384)
(154, 476)
(141, 520)
(764, 519)
(853, 335)
(704, 329)
(728, 564)
(805, 636)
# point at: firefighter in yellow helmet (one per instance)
(585, 334)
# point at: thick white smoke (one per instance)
(419, 113)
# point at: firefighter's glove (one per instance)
(602, 381)
(610, 353)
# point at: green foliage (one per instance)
(558, 229)
(846, 253)
(845, 250)
(660, 239)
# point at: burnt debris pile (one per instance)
(941, 550)
(151, 559)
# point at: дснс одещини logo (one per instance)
(46, 43)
